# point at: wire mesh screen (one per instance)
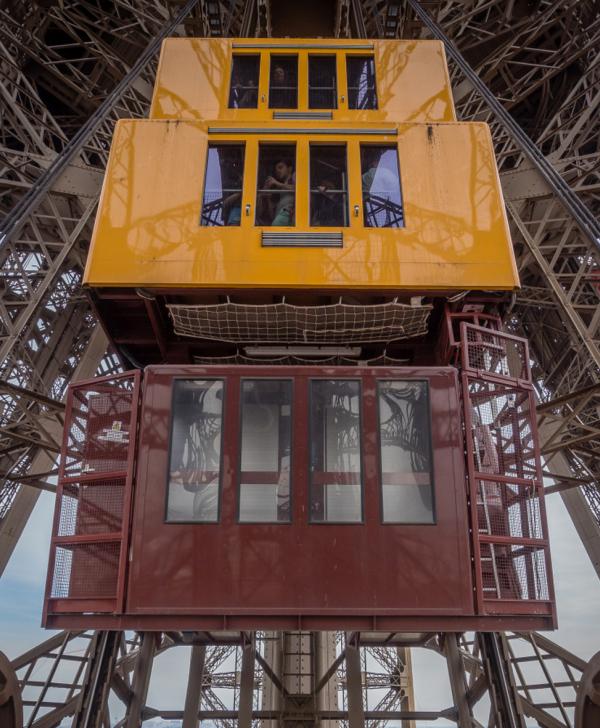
(89, 544)
(284, 322)
(88, 508)
(501, 429)
(509, 509)
(509, 523)
(86, 571)
(495, 353)
(514, 572)
(99, 429)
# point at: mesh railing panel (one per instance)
(501, 429)
(507, 509)
(89, 544)
(86, 571)
(514, 572)
(98, 432)
(88, 508)
(286, 323)
(495, 353)
(509, 524)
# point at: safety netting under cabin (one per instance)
(336, 323)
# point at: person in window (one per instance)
(327, 206)
(244, 92)
(279, 196)
(280, 92)
(368, 176)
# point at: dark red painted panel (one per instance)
(301, 568)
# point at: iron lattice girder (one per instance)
(52, 676)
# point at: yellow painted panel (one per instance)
(192, 81)
(147, 230)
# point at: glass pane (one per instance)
(335, 452)
(243, 92)
(222, 203)
(276, 194)
(406, 473)
(362, 93)
(195, 462)
(266, 450)
(382, 197)
(328, 186)
(322, 87)
(283, 82)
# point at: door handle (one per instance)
(248, 206)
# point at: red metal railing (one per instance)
(510, 539)
(88, 552)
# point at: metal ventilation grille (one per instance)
(283, 322)
(302, 240)
(307, 115)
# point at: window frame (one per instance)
(391, 145)
(432, 485)
(292, 53)
(327, 143)
(354, 54)
(260, 143)
(224, 382)
(336, 89)
(237, 54)
(310, 432)
(243, 143)
(238, 482)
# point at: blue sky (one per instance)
(22, 586)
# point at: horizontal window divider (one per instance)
(268, 130)
(304, 46)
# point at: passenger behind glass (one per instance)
(327, 205)
(277, 196)
(232, 204)
(244, 92)
(279, 96)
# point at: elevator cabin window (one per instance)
(328, 186)
(195, 451)
(283, 82)
(381, 193)
(264, 484)
(322, 86)
(223, 182)
(362, 92)
(276, 193)
(335, 452)
(405, 442)
(243, 90)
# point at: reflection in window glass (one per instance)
(406, 472)
(195, 460)
(322, 88)
(223, 182)
(382, 197)
(362, 93)
(283, 82)
(265, 450)
(276, 193)
(335, 452)
(328, 186)
(243, 90)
